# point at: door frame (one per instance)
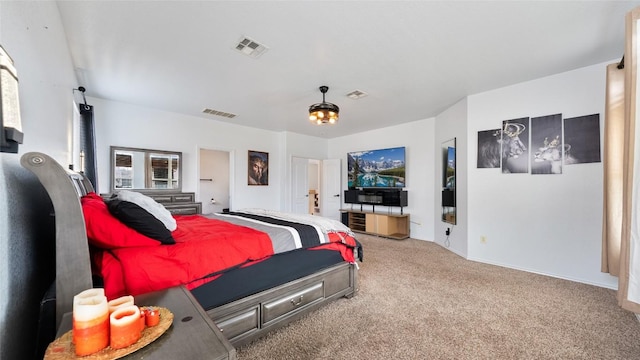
(231, 171)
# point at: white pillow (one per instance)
(152, 206)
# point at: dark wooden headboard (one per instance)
(73, 267)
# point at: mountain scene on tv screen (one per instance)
(376, 168)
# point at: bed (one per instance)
(252, 271)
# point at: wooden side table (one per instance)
(193, 335)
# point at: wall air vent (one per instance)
(219, 113)
(250, 47)
(356, 94)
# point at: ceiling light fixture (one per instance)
(324, 112)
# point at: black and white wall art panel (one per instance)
(515, 146)
(546, 144)
(489, 148)
(582, 139)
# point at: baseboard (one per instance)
(582, 281)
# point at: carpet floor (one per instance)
(417, 300)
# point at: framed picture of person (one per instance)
(258, 168)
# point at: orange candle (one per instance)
(125, 326)
(152, 316)
(143, 315)
(120, 302)
(90, 322)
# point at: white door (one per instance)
(331, 192)
(299, 185)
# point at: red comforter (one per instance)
(203, 247)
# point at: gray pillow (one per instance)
(154, 208)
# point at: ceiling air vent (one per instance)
(250, 47)
(357, 94)
(219, 113)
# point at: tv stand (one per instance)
(393, 226)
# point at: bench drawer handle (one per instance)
(293, 301)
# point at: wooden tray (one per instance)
(62, 348)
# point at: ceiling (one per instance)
(414, 59)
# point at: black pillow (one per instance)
(140, 220)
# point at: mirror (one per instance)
(449, 181)
(145, 170)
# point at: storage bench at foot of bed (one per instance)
(249, 318)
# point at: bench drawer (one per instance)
(239, 324)
(286, 304)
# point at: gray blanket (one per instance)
(283, 238)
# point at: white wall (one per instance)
(548, 224)
(304, 146)
(31, 32)
(129, 125)
(418, 139)
(450, 124)
(134, 126)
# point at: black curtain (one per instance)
(88, 144)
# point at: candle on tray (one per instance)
(125, 326)
(120, 302)
(152, 316)
(90, 322)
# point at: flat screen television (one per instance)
(382, 168)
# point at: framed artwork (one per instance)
(258, 168)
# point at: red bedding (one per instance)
(203, 247)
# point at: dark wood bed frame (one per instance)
(241, 321)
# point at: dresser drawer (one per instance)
(274, 309)
(173, 197)
(185, 197)
(184, 208)
(163, 199)
(239, 324)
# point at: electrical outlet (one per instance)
(483, 239)
(447, 232)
